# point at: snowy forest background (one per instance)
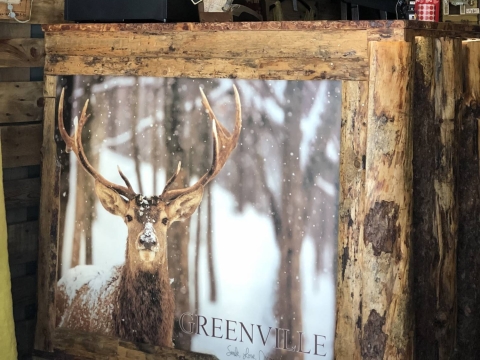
(261, 247)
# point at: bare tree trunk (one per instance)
(85, 197)
(155, 142)
(289, 293)
(197, 258)
(137, 113)
(211, 269)
(64, 185)
(79, 216)
(178, 235)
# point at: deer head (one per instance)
(148, 218)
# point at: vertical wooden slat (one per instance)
(48, 233)
(387, 319)
(351, 211)
(438, 88)
(448, 91)
(468, 196)
(424, 195)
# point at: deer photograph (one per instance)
(202, 224)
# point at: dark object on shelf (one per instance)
(386, 9)
(131, 11)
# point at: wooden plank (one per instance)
(25, 331)
(276, 68)
(22, 53)
(25, 310)
(48, 232)
(12, 31)
(438, 91)
(237, 53)
(23, 242)
(96, 346)
(24, 289)
(21, 145)
(21, 101)
(327, 45)
(351, 217)
(158, 28)
(387, 319)
(468, 195)
(21, 270)
(378, 29)
(22, 193)
(448, 94)
(274, 25)
(424, 163)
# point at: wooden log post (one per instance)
(387, 318)
(468, 195)
(49, 217)
(438, 89)
(351, 212)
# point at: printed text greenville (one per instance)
(238, 331)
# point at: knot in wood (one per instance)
(381, 229)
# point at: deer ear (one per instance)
(185, 205)
(111, 200)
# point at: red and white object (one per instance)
(427, 10)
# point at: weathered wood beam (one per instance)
(244, 68)
(21, 145)
(21, 101)
(468, 195)
(327, 45)
(23, 242)
(438, 89)
(387, 319)
(22, 193)
(351, 214)
(49, 219)
(23, 52)
(71, 344)
(242, 53)
(12, 31)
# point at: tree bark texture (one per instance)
(289, 291)
(468, 195)
(438, 91)
(351, 214)
(387, 319)
(178, 235)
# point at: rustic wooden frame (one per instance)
(413, 85)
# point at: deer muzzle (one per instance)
(148, 239)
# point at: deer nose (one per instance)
(148, 242)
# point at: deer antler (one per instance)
(75, 144)
(223, 145)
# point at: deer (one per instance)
(135, 301)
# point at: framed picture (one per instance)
(224, 177)
(233, 255)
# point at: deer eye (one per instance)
(128, 218)
(164, 221)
